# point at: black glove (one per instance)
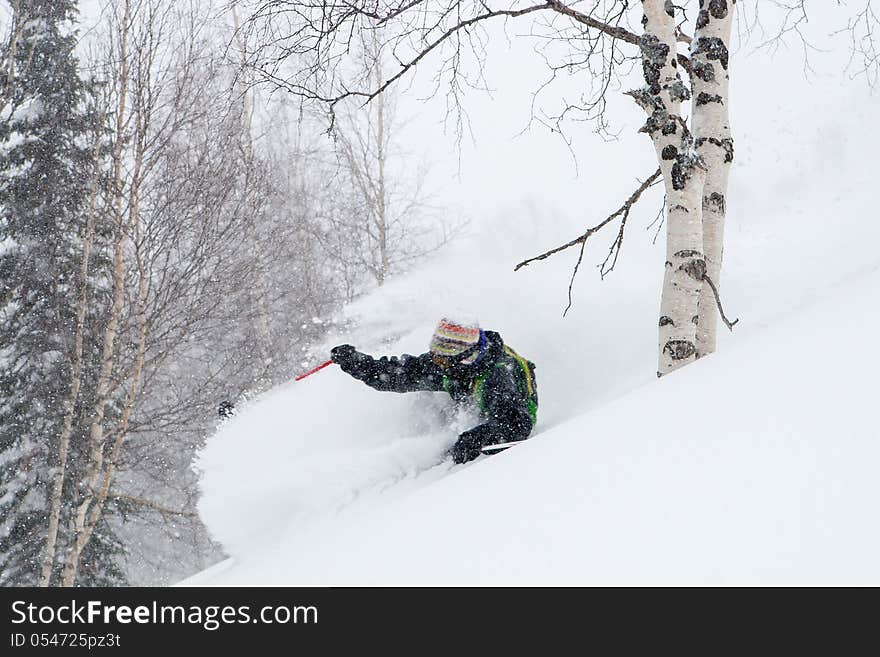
(226, 409)
(344, 355)
(467, 447)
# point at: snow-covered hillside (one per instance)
(327, 482)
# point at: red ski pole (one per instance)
(313, 370)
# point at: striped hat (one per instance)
(452, 338)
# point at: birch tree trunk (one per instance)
(102, 388)
(711, 125)
(683, 176)
(75, 378)
(382, 194)
(259, 295)
(90, 482)
(86, 529)
(14, 38)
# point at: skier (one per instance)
(470, 364)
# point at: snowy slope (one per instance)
(326, 481)
(780, 489)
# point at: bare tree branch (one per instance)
(369, 95)
(726, 321)
(614, 31)
(625, 208)
(149, 504)
(614, 251)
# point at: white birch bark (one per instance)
(259, 294)
(711, 126)
(683, 176)
(92, 478)
(365, 148)
(95, 511)
(381, 196)
(75, 381)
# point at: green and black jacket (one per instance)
(501, 384)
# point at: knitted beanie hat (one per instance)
(452, 338)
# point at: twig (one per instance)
(729, 324)
(615, 31)
(583, 238)
(614, 249)
(659, 218)
(573, 274)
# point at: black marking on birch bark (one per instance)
(669, 8)
(670, 152)
(654, 54)
(656, 109)
(669, 128)
(678, 207)
(658, 118)
(682, 169)
(678, 90)
(668, 264)
(687, 253)
(704, 99)
(695, 268)
(715, 201)
(651, 125)
(725, 144)
(651, 104)
(702, 18)
(666, 321)
(644, 20)
(695, 265)
(704, 70)
(680, 176)
(718, 8)
(695, 320)
(713, 48)
(679, 349)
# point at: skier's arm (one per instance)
(508, 417)
(404, 374)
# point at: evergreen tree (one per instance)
(45, 169)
